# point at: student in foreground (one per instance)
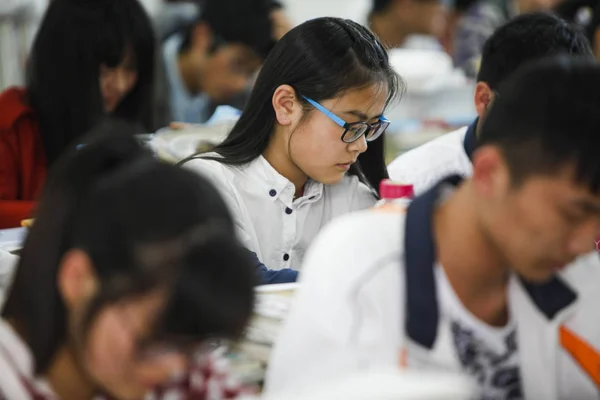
(492, 276)
(289, 166)
(526, 38)
(130, 265)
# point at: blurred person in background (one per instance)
(457, 9)
(130, 267)
(213, 61)
(480, 21)
(526, 38)
(493, 276)
(585, 14)
(177, 15)
(293, 161)
(89, 59)
(396, 22)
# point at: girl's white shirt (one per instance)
(270, 222)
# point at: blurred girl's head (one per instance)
(130, 264)
(89, 58)
(319, 76)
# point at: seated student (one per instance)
(526, 38)
(457, 10)
(396, 22)
(489, 276)
(130, 264)
(481, 20)
(176, 16)
(289, 166)
(215, 59)
(585, 14)
(89, 59)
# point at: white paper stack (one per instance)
(250, 356)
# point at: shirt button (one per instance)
(272, 192)
(286, 257)
(288, 210)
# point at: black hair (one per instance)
(145, 225)
(582, 13)
(546, 117)
(246, 22)
(349, 58)
(525, 38)
(75, 38)
(380, 5)
(463, 5)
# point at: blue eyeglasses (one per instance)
(354, 130)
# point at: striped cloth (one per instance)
(476, 25)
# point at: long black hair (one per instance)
(320, 59)
(145, 225)
(75, 38)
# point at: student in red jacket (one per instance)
(89, 59)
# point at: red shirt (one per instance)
(22, 158)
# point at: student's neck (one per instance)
(188, 73)
(280, 160)
(475, 269)
(387, 29)
(66, 378)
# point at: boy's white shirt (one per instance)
(349, 314)
(425, 165)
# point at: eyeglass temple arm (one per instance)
(325, 111)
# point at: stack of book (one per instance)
(250, 356)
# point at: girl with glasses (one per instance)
(291, 163)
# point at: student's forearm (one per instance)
(269, 276)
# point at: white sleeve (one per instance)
(346, 314)
(418, 173)
(214, 171)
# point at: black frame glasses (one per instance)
(354, 130)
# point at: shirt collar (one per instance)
(14, 347)
(470, 140)
(420, 257)
(277, 187)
